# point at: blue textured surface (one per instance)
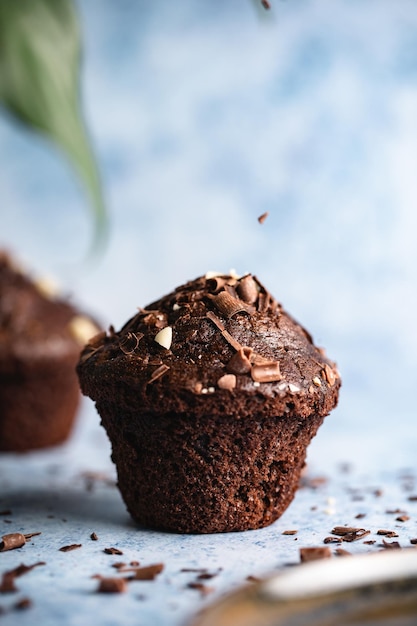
(204, 116)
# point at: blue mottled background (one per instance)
(205, 115)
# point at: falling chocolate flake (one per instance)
(112, 585)
(229, 305)
(240, 362)
(228, 382)
(266, 5)
(247, 289)
(72, 546)
(159, 372)
(93, 537)
(112, 551)
(263, 217)
(149, 572)
(314, 554)
(267, 372)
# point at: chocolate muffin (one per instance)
(210, 397)
(40, 342)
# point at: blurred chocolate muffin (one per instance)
(40, 341)
(210, 397)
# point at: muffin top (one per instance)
(218, 343)
(34, 322)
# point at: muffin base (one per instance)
(38, 407)
(207, 474)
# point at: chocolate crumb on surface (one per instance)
(342, 552)
(289, 532)
(148, 572)
(348, 533)
(387, 533)
(413, 541)
(94, 537)
(314, 554)
(7, 584)
(112, 551)
(23, 604)
(203, 589)
(12, 541)
(112, 585)
(393, 545)
(72, 546)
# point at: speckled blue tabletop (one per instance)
(69, 493)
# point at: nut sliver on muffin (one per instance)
(210, 397)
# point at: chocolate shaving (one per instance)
(350, 534)
(289, 532)
(263, 217)
(402, 518)
(72, 546)
(247, 289)
(149, 572)
(413, 541)
(160, 371)
(130, 342)
(217, 282)
(314, 554)
(266, 372)
(240, 362)
(112, 585)
(112, 551)
(215, 320)
(233, 342)
(332, 540)
(228, 305)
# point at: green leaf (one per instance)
(40, 57)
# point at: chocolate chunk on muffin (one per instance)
(41, 337)
(210, 397)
